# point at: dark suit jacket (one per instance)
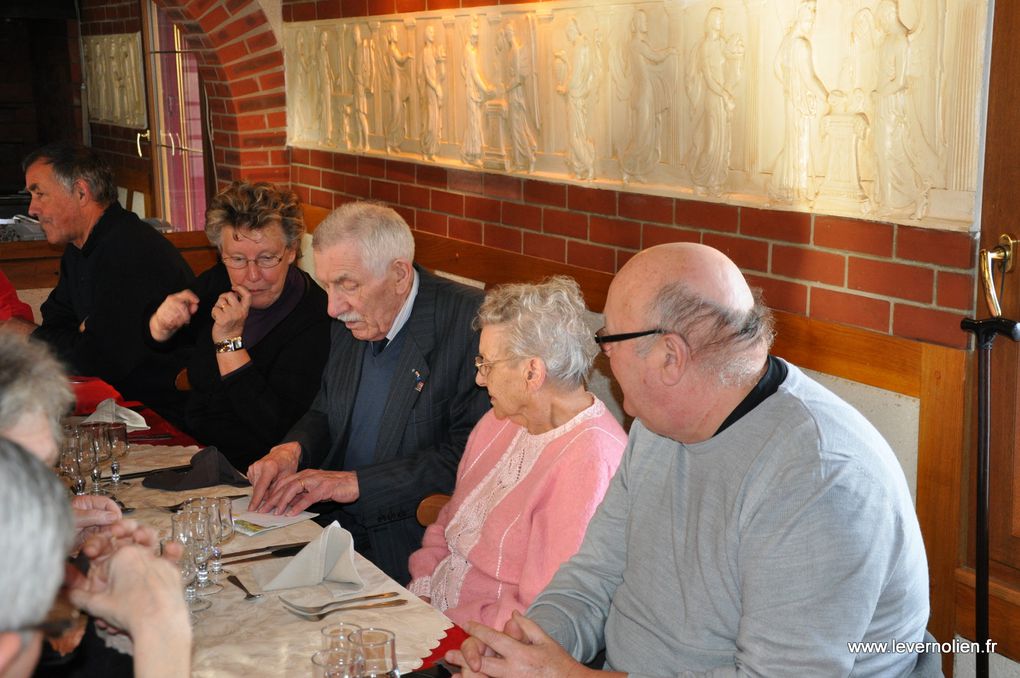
(432, 407)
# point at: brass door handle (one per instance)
(1005, 253)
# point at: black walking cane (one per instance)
(985, 331)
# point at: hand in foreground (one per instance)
(230, 312)
(92, 514)
(523, 649)
(141, 593)
(282, 461)
(174, 313)
(293, 494)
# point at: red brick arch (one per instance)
(241, 65)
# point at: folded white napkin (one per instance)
(110, 411)
(328, 558)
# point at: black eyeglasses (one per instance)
(601, 338)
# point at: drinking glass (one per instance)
(378, 651)
(70, 469)
(92, 445)
(226, 533)
(200, 522)
(334, 664)
(119, 448)
(189, 571)
(338, 636)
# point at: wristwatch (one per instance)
(228, 345)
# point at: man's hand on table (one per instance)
(298, 491)
(282, 461)
(522, 649)
(92, 514)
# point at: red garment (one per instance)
(10, 305)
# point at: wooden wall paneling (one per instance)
(1003, 613)
(940, 478)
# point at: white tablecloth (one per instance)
(259, 638)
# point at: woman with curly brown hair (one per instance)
(258, 325)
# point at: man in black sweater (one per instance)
(113, 270)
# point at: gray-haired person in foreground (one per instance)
(35, 532)
(757, 525)
(128, 586)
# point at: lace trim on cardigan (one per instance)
(465, 528)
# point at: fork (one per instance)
(323, 615)
(313, 609)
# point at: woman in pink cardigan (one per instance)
(535, 467)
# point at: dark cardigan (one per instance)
(249, 410)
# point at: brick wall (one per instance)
(910, 282)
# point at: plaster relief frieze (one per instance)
(863, 108)
(114, 80)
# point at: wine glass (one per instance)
(70, 469)
(91, 447)
(226, 531)
(201, 521)
(189, 571)
(378, 651)
(117, 435)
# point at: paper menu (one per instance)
(250, 523)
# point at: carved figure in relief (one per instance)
(91, 81)
(579, 82)
(713, 72)
(396, 60)
(902, 181)
(858, 78)
(302, 98)
(329, 81)
(433, 75)
(362, 68)
(133, 91)
(640, 82)
(805, 99)
(102, 82)
(478, 90)
(521, 104)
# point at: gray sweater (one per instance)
(764, 550)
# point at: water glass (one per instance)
(334, 664)
(338, 636)
(378, 651)
(117, 435)
(93, 444)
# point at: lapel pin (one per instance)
(419, 383)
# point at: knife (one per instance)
(277, 553)
(264, 549)
(143, 474)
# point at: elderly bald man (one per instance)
(757, 524)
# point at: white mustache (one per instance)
(350, 317)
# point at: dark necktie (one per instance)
(378, 346)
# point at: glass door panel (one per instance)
(177, 126)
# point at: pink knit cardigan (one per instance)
(526, 535)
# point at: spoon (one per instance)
(248, 595)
